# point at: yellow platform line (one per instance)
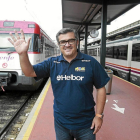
(126, 81)
(30, 127)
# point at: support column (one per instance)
(103, 33)
(86, 34)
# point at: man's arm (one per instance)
(100, 103)
(21, 47)
(26, 66)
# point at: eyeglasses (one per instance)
(64, 42)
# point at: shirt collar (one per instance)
(79, 56)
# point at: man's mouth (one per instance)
(68, 49)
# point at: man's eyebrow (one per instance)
(63, 40)
(67, 40)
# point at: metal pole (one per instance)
(103, 33)
(86, 34)
(79, 42)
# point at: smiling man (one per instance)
(68, 45)
(73, 75)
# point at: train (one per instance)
(122, 57)
(41, 48)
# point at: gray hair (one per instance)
(66, 30)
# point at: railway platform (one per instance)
(121, 114)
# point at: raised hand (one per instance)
(20, 44)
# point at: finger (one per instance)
(13, 37)
(28, 41)
(22, 34)
(17, 35)
(10, 41)
(92, 126)
(95, 130)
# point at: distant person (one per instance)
(73, 75)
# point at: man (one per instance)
(73, 75)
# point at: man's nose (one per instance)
(67, 44)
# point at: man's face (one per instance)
(68, 49)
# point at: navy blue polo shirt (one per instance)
(72, 85)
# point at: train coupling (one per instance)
(4, 78)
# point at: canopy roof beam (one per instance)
(80, 23)
(109, 2)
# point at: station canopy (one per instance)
(78, 13)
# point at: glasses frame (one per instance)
(68, 42)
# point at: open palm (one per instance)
(20, 44)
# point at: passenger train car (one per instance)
(122, 56)
(41, 47)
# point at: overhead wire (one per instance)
(31, 12)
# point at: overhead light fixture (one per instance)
(97, 15)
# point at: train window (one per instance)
(6, 45)
(94, 52)
(120, 52)
(136, 52)
(90, 52)
(42, 39)
(99, 51)
(31, 25)
(35, 43)
(109, 52)
(26, 37)
(8, 24)
(46, 50)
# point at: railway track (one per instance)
(15, 106)
(10, 106)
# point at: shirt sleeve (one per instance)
(42, 69)
(100, 77)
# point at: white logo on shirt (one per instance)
(56, 62)
(85, 60)
(71, 77)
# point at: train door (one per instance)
(98, 54)
(135, 63)
(121, 59)
(117, 54)
(41, 49)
